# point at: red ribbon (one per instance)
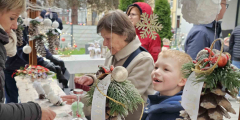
(14, 73)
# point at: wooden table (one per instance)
(28, 93)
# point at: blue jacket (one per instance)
(163, 107)
(21, 59)
(201, 36)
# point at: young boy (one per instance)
(168, 81)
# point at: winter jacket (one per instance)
(163, 107)
(234, 44)
(21, 59)
(151, 45)
(12, 111)
(139, 72)
(201, 36)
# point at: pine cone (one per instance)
(19, 34)
(51, 43)
(40, 47)
(33, 30)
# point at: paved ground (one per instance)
(236, 108)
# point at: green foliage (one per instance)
(227, 77)
(34, 22)
(187, 69)
(124, 92)
(123, 4)
(162, 9)
(74, 52)
(20, 22)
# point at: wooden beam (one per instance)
(33, 54)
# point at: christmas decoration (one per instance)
(40, 45)
(94, 49)
(166, 44)
(33, 29)
(27, 49)
(38, 87)
(47, 22)
(19, 32)
(200, 11)
(214, 71)
(149, 25)
(35, 72)
(47, 88)
(55, 24)
(24, 15)
(122, 96)
(80, 110)
(52, 40)
(119, 74)
(63, 39)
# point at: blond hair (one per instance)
(178, 56)
(8, 5)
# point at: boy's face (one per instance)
(166, 76)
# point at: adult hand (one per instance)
(69, 98)
(84, 80)
(47, 114)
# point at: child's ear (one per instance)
(182, 82)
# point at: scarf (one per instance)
(11, 46)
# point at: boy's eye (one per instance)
(11, 18)
(166, 69)
(156, 68)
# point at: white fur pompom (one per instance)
(47, 88)
(55, 24)
(119, 74)
(47, 22)
(26, 21)
(50, 94)
(54, 99)
(38, 87)
(24, 14)
(27, 49)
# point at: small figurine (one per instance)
(38, 87)
(80, 113)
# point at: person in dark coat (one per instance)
(201, 36)
(9, 12)
(134, 12)
(168, 81)
(53, 18)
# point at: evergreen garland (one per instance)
(227, 76)
(124, 92)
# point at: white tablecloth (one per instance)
(80, 64)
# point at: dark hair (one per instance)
(121, 25)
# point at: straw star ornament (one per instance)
(149, 25)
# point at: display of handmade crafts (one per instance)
(36, 32)
(122, 96)
(51, 96)
(35, 72)
(216, 77)
(94, 49)
(38, 87)
(166, 44)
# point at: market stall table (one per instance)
(80, 64)
(28, 93)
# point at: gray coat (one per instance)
(234, 44)
(13, 111)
